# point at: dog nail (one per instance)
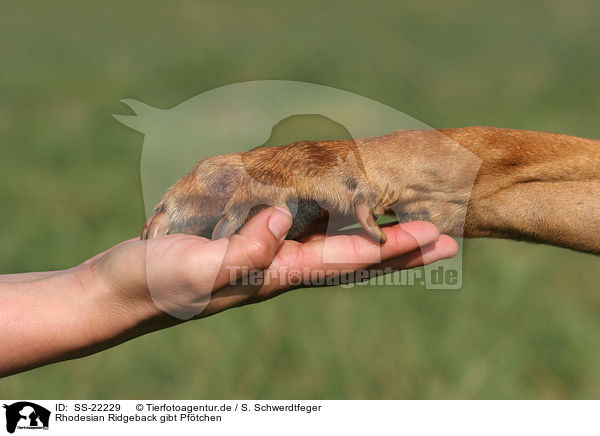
(367, 221)
(223, 229)
(156, 226)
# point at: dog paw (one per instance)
(311, 179)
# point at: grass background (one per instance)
(526, 323)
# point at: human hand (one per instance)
(187, 276)
(138, 286)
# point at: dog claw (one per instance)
(367, 221)
(158, 225)
(223, 229)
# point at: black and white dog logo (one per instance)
(26, 415)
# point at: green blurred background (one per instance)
(526, 323)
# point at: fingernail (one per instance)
(280, 222)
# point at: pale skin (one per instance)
(47, 317)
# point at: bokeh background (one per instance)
(526, 323)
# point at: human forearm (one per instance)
(60, 316)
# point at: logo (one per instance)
(236, 117)
(26, 415)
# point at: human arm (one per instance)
(138, 286)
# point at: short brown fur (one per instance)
(477, 181)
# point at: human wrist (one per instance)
(119, 310)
